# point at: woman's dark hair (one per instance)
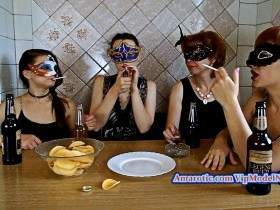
(28, 57)
(211, 40)
(124, 36)
(270, 35)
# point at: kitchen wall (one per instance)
(78, 32)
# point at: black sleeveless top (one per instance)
(121, 123)
(45, 132)
(210, 115)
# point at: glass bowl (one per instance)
(67, 161)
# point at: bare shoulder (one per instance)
(249, 107)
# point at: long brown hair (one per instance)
(28, 57)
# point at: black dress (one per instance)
(121, 123)
(45, 132)
(210, 115)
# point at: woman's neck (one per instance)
(38, 93)
(202, 81)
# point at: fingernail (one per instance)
(238, 69)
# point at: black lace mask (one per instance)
(264, 55)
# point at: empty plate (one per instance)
(141, 164)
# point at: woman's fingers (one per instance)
(222, 162)
(205, 158)
(215, 162)
(37, 140)
(209, 161)
(232, 158)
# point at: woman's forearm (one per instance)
(103, 111)
(142, 118)
(238, 128)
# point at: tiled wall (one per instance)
(78, 31)
(8, 72)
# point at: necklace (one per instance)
(42, 96)
(204, 97)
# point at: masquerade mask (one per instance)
(197, 53)
(124, 53)
(45, 69)
(263, 55)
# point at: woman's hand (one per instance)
(216, 157)
(90, 122)
(29, 141)
(225, 89)
(171, 133)
(122, 84)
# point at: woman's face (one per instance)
(129, 42)
(42, 81)
(265, 76)
(196, 67)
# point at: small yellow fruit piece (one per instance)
(54, 150)
(108, 184)
(76, 144)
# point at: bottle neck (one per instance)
(261, 120)
(79, 120)
(192, 113)
(10, 109)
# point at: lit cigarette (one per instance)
(210, 67)
(59, 78)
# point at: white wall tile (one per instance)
(233, 10)
(264, 12)
(249, 1)
(38, 16)
(248, 14)
(7, 51)
(7, 4)
(22, 7)
(242, 55)
(8, 75)
(21, 46)
(275, 7)
(245, 76)
(23, 27)
(246, 35)
(6, 24)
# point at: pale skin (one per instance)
(226, 91)
(124, 89)
(38, 85)
(200, 78)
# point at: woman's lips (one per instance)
(254, 75)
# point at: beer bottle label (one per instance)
(260, 161)
(18, 143)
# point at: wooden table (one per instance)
(32, 185)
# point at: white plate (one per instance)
(141, 164)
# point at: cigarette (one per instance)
(59, 78)
(210, 67)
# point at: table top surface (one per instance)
(32, 185)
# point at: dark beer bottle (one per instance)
(11, 146)
(80, 129)
(259, 151)
(192, 135)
